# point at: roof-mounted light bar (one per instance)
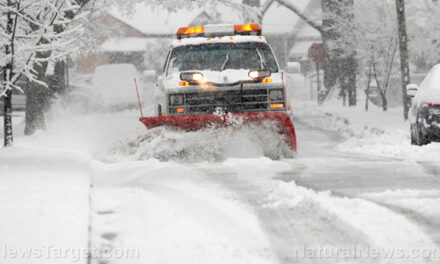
(251, 29)
(248, 29)
(187, 32)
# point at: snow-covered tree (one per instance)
(424, 32)
(377, 43)
(335, 26)
(33, 33)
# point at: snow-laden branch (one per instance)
(302, 15)
(42, 31)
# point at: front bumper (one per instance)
(432, 132)
(431, 124)
(253, 100)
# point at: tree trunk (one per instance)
(329, 36)
(367, 91)
(7, 111)
(339, 67)
(404, 57)
(37, 99)
(38, 96)
(348, 79)
(384, 102)
(7, 75)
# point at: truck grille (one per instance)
(235, 101)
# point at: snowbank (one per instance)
(375, 132)
(44, 202)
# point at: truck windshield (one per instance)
(222, 56)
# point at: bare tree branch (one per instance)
(266, 5)
(293, 8)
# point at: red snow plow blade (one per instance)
(196, 122)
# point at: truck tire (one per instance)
(421, 139)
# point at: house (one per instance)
(127, 38)
(87, 62)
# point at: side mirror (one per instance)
(411, 90)
(293, 67)
(150, 76)
(159, 83)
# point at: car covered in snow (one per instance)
(221, 68)
(114, 85)
(425, 111)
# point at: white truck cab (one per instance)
(221, 69)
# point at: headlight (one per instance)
(276, 95)
(197, 76)
(176, 99)
(191, 76)
(259, 74)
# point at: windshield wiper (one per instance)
(226, 61)
(263, 64)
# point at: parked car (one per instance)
(115, 87)
(425, 110)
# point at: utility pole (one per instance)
(404, 56)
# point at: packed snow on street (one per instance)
(134, 144)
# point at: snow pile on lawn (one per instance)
(374, 132)
(44, 203)
(210, 144)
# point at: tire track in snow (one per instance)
(429, 222)
(290, 228)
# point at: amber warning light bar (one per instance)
(250, 29)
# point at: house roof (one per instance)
(300, 49)
(155, 21)
(148, 20)
(124, 45)
(159, 21)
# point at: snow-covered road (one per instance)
(225, 205)
(256, 210)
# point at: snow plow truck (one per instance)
(216, 73)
